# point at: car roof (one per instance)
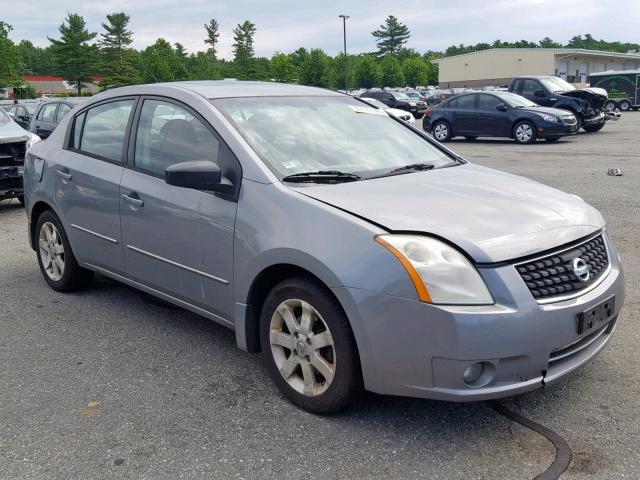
(228, 89)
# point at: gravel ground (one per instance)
(107, 383)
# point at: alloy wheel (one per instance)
(524, 133)
(51, 251)
(302, 347)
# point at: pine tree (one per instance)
(117, 57)
(76, 58)
(243, 39)
(11, 62)
(212, 36)
(391, 36)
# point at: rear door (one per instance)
(87, 183)
(177, 240)
(46, 120)
(465, 117)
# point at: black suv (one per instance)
(587, 104)
(398, 100)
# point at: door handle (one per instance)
(64, 175)
(136, 202)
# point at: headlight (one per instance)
(33, 140)
(440, 273)
(550, 118)
(412, 104)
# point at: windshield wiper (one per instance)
(322, 176)
(416, 167)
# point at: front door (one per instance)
(178, 241)
(491, 121)
(87, 183)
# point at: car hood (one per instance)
(596, 97)
(492, 215)
(12, 132)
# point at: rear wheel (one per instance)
(625, 105)
(441, 131)
(57, 262)
(524, 132)
(308, 347)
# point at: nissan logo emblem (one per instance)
(580, 269)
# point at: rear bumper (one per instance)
(414, 349)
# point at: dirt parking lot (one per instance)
(107, 383)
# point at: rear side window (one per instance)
(62, 111)
(168, 134)
(465, 101)
(104, 129)
(48, 112)
(488, 101)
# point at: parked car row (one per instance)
(532, 108)
(43, 117)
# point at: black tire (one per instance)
(624, 105)
(441, 126)
(21, 199)
(470, 137)
(73, 277)
(346, 384)
(554, 139)
(527, 126)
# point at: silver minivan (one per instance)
(351, 249)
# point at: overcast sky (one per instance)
(284, 25)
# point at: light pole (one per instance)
(346, 66)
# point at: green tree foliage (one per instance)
(117, 58)
(157, 62)
(345, 70)
(36, 60)
(392, 75)
(24, 91)
(316, 70)
(75, 57)
(10, 60)
(391, 36)
(546, 42)
(415, 71)
(368, 73)
(282, 68)
(200, 67)
(243, 52)
(212, 28)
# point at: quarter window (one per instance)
(105, 128)
(169, 134)
(48, 112)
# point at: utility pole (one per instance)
(346, 66)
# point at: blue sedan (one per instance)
(497, 114)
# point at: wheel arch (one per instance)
(519, 120)
(38, 209)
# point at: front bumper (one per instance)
(415, 349)
(595, 120)
(10, 182)
(555, 130)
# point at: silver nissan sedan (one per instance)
(351, 249)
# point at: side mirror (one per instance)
(539, 93)
(502, 107)
(198, 175)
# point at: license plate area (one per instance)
(596, 316)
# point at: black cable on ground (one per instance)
(563, 451)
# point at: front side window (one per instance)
(169, 134)
(488, 101)
(48, 112)
(530, 86)
(105, 128)
(303, 134)
(62, 111)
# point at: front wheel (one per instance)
(441, 131)
(524, 132)
(57, 262)
(308, 347)
(594, 128)
(625, 105)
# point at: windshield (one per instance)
(306, 134)
(400, 96)
(374, 102)
(413, 95)
(515, 101)
(555, 84)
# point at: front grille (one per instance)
(553, 275)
